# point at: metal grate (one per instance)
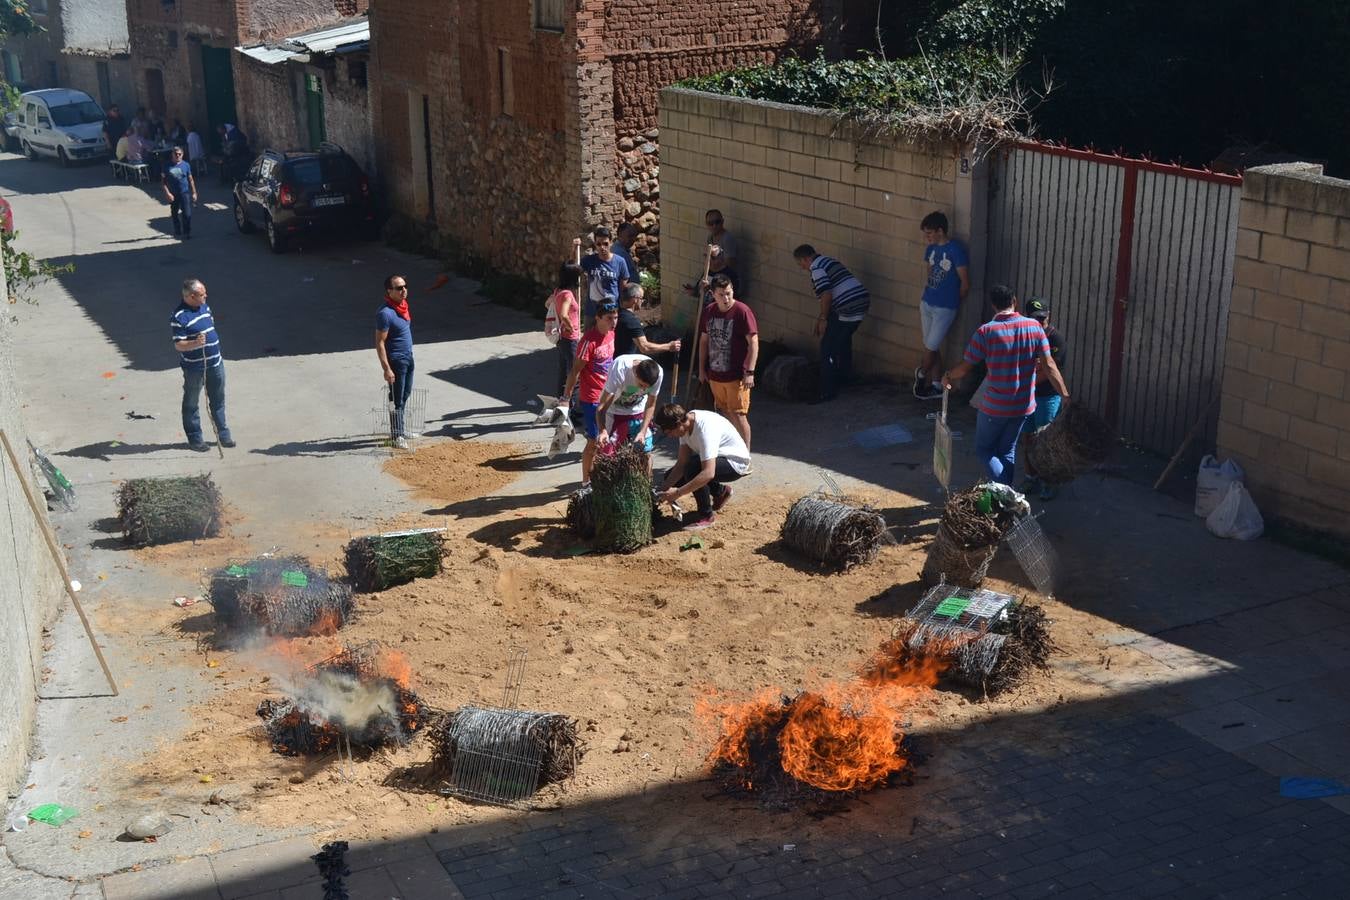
(498, 754)
(515, 675)
(383, 417)
(956, 613)
(1034, 554)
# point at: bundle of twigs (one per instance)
(791, 378)
(161, 510)
(279, 595)
(1006, 657)
(552, 738)
(833, 533)
(581, 512)
(621, 499)
(967, 539)
(382, 561)
(1073, 444)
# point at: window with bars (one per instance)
(550, 15)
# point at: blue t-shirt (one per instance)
(943, 289)
(603, 276)
(398, 342)
(186, 324)
(176, 178)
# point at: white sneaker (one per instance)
(401, 443)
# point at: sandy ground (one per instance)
(626, 644)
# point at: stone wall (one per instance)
(1286, 385)
(505, 183)
(782, 178)
(82, 74)
(346, 107)
(39, 54)
(30, 591)
(94, 26)
(270, 104)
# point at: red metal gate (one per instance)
(1136, 259)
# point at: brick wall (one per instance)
(1286, 387)
(782, 179)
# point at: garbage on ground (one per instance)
(1212, 481)
(185, 601)
(1236, 516)
(149, 825)
(53, 814)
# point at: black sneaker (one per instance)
(199, 446)
(227, 443)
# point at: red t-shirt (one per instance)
(728, 340)
(598, 351)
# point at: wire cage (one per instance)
(499, 754)
(961, 615)
(384, 420)
(1034, 554)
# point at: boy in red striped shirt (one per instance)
(1009, 345)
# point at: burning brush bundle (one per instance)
(832, 532)
(162, 510)
(1075, 442)
(503, 756)
(382, 561)
(989, 640)
(281, 596)
(359, 696)
(973, 522)
(621, 497)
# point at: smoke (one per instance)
(344, 700)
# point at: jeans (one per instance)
(399, 392)
(567, 354)
(1046, 409)
(215, 395)
(180, 208)
(996, 444)
(836, 355)
(722, 472)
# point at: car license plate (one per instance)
(338, 200)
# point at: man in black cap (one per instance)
(1047, 399)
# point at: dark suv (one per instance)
(294, 191)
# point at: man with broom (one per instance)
(1011, 345)
(711, 454)
(198, 346)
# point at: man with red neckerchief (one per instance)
(393, 344)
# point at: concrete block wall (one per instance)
(785, 176)
(1286, 388)
(30, 591)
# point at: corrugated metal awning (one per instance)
(349, 37)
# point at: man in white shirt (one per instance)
(711, 454)
(628, 400)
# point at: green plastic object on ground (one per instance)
(53, 814)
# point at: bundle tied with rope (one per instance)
(972, 524)
(791, 377)
(283, 596)
(1073, 444)
(621, 499)
(832, 532)
(163, 510)
(381, 561)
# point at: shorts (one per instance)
(1046, 410)
(937, 321)
(629, 426)
(731, 396)
(588, 421)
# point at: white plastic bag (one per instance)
(1236, 516)
(1212, 481)
(552, 326)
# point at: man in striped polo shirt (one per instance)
(1010, 345)
(843, 303)
(198, 346)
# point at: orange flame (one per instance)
(842, 737)
(327, 623)
(395, 666)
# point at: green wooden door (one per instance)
(314, 110)
(218, 79)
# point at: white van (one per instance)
(62, 123)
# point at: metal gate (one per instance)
(1136, 259)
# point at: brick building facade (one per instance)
(513, 125)
(183, 51)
